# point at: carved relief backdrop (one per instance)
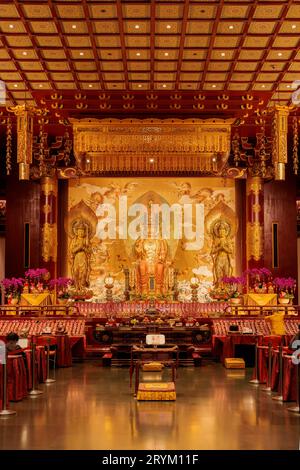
(91, 259)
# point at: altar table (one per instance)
(44, 298)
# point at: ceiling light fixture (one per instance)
(214, 86)
(81, 53)
(11, 26)
(140, 86)
(294, 26)
(90, 86)
(164, 85)
(151, 160)
(168, 26)
(231, 26)
(15, 85)
(279, 54)
(74, 26)
(263, 86)
(138, 54)
(166, 54)
(24, 53)
(40, 85)
(288, 86)
(223, 54)
(137, 26)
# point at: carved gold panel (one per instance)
(255, 241)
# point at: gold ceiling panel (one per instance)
(10, 76)
(43, 27)
(293, 12)
(232, 27)
(107, 11)
(287, 27)
(113, 76)
(139, 86)
(37, 11)
(81, 27)
(217, 86)
(160, 54)
(290, 42)
(137, 41)
(266, 11)
(231, 41)
(20, 95)
(242, 77)
(113, 66)
(239, 11)
(192, 66)
(108, 41)
(267, 86)
(59, 66)
(78, 41)
(165, 66)
(261, 27)
(290, 77)
(48, 41)
(11, 86)
(256, 41)
(199, 27)
(251, 54)
(115, 86)
(268, 77)
(167, 41)
(273, 66)
(4, 54)
(138, 76)
(215, 77)
(8, 11)
(164, 86)
(36, 76)
(88, 76)
(194, 54)
(54, 54)
(132, 66)
(103, 27)
(66, 85)
(19, 41)
(143, 27)
(7, 66)
(45, 86)
(86, 66)
(232, 86)
(144, 54)
(188, 86)
(90, 86)
(202, 11)
(77, 54)
(30, 54)
(273, 54)
(295, 67)
(169, 11)
(217, 54)
(190, 77)
(196, 41)
(246, 66)
(219, 66)
(168, 77)
(62, 76)
(110, 54)
(70, 11)
(168, 27)
(18, 27)
(136, 11)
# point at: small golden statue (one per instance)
(80, 254)
(222, 249)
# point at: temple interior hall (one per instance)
(149, 225)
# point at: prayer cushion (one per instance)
(152, 366)
(157, 391)
(234, 363)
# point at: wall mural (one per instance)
(161, 231)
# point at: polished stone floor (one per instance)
(90, 407)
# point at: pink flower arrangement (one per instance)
(62, 284)
(37, 274)
(285, 285)
(13, 286)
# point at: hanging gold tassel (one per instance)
(8, 145)
(295, 145)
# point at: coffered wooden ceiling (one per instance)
(157, 56)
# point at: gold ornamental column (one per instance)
(255, 222)
(48, 223)
(280, 147)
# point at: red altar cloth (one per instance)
(64, 353)
(16, 378)
(224, 346)
(289, 376)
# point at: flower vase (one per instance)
(236, 300)
(62, 301)
(14, 301)
(284, 301)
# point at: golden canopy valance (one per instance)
(152, 144)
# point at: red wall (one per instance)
(280, 207)
(23, 205)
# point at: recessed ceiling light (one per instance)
(223, 54)
(168, 26)
(90, 85)
(263, 86)
(137, 26)
(294, 26)
(279, 54)
(81, 53)
(24, 53)
(166, 54)
(231, 26)
(214, 86)
(74, 26)
(40, 85)
(140, 86)
(15, 85)
(88, 160)
(151, 160)
(138, 54)
(11, 26)
(164, 85)
(288, 86)
(214, 159)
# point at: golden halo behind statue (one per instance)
(221, 214)
(81, 213)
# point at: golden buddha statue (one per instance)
(222, 249)
(151, 254)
